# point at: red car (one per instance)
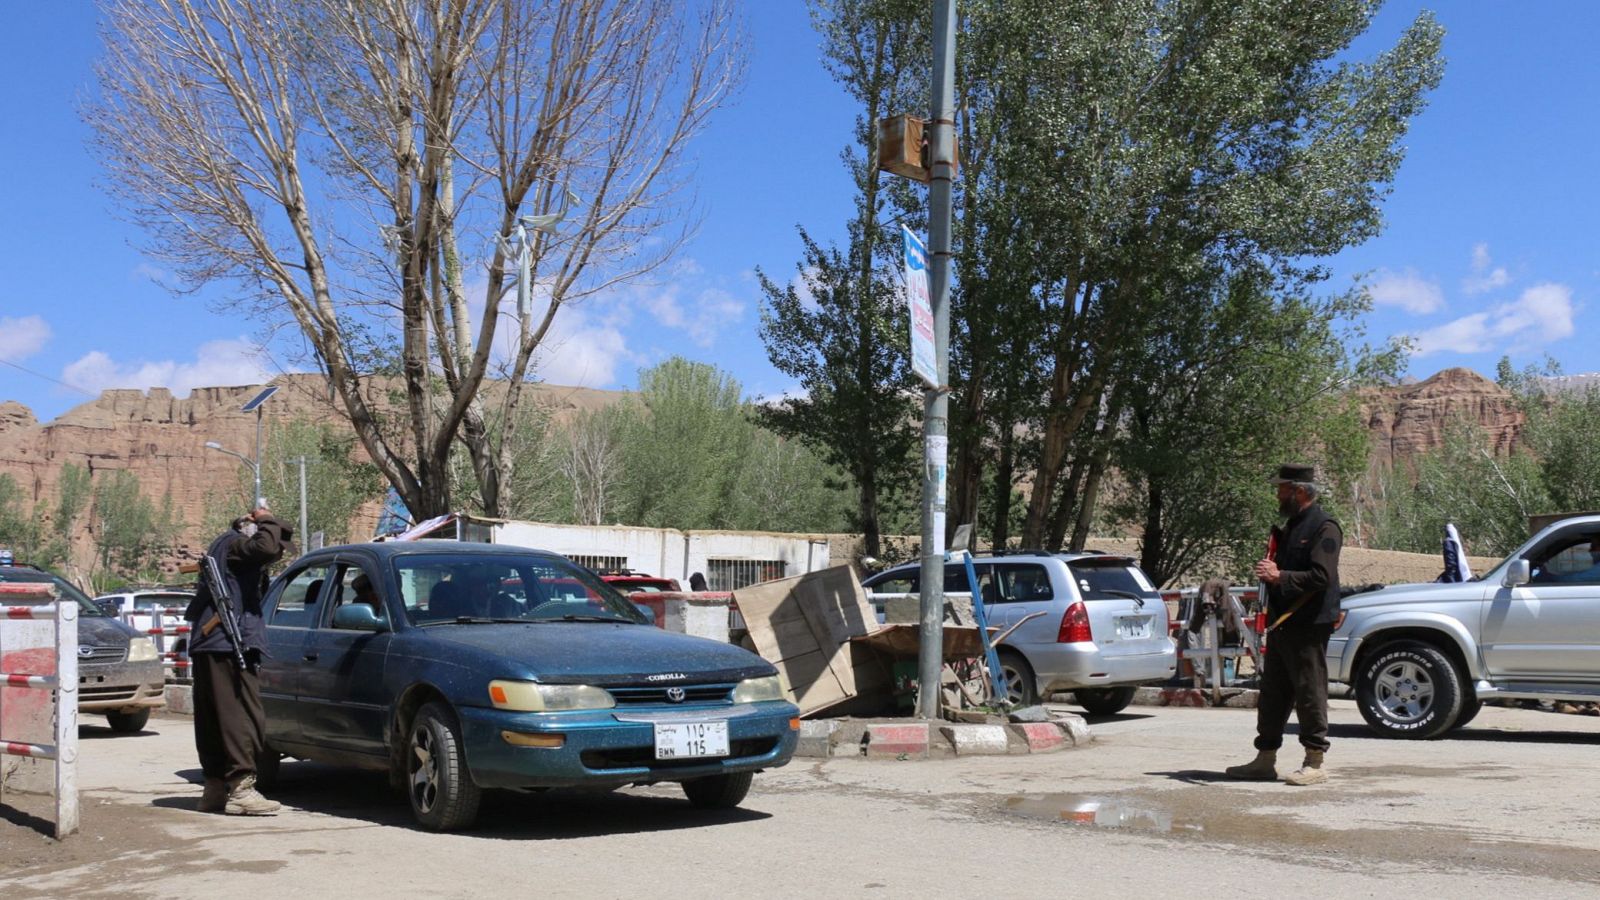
(630, 582)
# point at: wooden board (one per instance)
(804, 626)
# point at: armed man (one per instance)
(1301, 575)
(225, 648)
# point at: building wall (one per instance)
(669, 553)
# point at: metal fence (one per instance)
(732, 574)
(162, 623)
(599, 563)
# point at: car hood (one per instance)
(103, 632)
(604, 654)
(1414, 593)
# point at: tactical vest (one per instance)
(1294, 555)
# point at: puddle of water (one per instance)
(1100, 812)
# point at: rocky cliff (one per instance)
(161, 438)
(1408, 420)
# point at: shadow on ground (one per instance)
(1470, 733)
(367, 798)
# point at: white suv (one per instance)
(1103, 632)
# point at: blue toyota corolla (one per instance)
(461, 667)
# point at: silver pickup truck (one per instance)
(1422, 658)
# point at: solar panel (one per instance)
(260, 398)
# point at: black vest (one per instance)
(1294, 545)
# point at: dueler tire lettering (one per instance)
(1409, 689)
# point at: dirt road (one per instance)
(1510, 805)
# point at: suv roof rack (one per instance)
(1017, 551)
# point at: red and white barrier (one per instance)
(152, 621)
(39, 653)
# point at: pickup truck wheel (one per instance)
(128, 722)
(1409, 689)
(718, 791)
(1021, 689)
(1470, 707)
(1104, 701)
(442, 794)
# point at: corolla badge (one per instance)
(666, 676)
(675, 695)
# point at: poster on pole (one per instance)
(919, 303)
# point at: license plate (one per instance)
(687, 740)
(1133, 628)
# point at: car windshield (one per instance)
(514, 587)
(86, 607)
(1102, 581)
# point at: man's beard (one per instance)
(1288, 506)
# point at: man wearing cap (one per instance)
(1302, 582)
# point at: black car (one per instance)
(119, 671)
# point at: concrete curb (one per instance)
(1232, 698)
(913, 739)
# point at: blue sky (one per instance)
(1492, 245)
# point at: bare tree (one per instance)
(335, 161)
(592, 463)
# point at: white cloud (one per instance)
(580, 351)
(216, 364)
(147, 272)
(702, 316)
(22, 338)
(1541, 315)
(1407, 290)
(1484, 278)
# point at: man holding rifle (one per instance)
(225, 648)
(1301, 577)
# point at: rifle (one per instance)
(222, 603)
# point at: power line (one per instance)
(70, 387)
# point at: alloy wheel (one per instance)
(1404, 690)
(424, 768)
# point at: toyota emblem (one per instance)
(675, 695)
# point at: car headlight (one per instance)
(526, 696)
(755, 690)
(141, 649)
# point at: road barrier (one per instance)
(39, 653)
(153, 622)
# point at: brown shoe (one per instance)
(1263, 768)
(1310, 772)
(215, 796)
(245, 800)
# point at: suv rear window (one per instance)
(1099, 581)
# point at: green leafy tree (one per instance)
(130, 531)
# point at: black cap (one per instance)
(1295, 472)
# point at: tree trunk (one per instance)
(1150, 545)
(1004, 468)
(1066, 505)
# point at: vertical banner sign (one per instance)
(919, 303)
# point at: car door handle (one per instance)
(310, 657)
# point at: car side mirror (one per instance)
(1517, 574)
(357, 617)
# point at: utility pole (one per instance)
(936, 400)
(304, 534)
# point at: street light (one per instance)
(254, 467)
(255, 406)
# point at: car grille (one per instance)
(100, 656)
(645, 757)
(107, 692)
(656, 695)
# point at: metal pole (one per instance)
(936, 403)
(304, 535)
(256, 500)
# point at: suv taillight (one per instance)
(1075, 625)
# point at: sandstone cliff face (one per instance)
(161, 439)
(1408, 420)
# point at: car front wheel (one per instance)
(128, 722)
(441, 792)
(1104, 701)
(1409, 689)
(718, 791)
